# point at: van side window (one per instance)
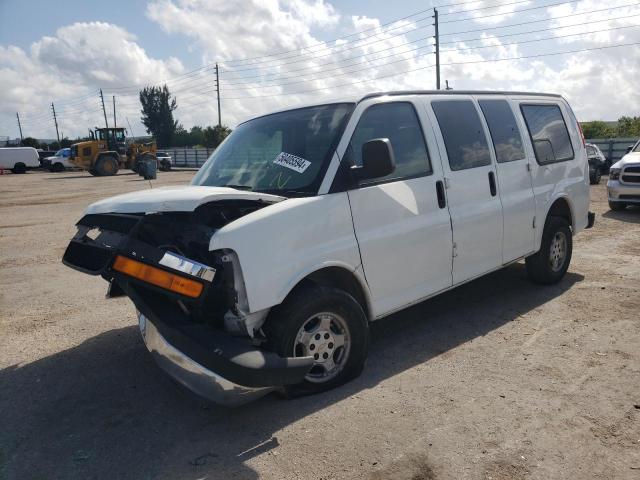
(548, 132)
(399, 123)
(462, 132)
(504, 130)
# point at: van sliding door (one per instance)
(472, 190)
(514, 179)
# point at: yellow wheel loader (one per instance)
(107, 151)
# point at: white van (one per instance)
(18, 159)
(306, 225)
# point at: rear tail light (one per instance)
(158, 277)
(584, 142)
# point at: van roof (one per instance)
(408, 92)
(456, 92)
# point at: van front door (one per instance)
(514, 179)
(472, 190)
(403, 231)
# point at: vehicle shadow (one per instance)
(104, 410)
(86, 176)
(631, 214)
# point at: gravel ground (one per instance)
(498, 379)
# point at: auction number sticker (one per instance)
(292, 162)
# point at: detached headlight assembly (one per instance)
(614, 174)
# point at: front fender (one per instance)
(280, 244)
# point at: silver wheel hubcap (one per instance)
(325, 337)
(558, 251)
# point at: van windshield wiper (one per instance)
(240, 187)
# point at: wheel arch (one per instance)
(561, 207)
(338, 276)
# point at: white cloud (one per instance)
(69, 67)
(598, 83)
(243, 29)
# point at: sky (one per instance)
(276, 54)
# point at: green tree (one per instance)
(213, 136)
(628, 127)
(30, 142)
(65, 142)
(157, 114)
(597, 129)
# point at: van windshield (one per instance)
(284, 153)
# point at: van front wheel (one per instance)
(327, 324)
(549, 265)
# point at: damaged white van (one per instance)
(306, 225)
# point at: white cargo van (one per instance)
(18, 159)
(306, 225)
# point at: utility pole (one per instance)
(19, 127)
(104, 111)
(437, 37)
(55, 120)
(115, 124)
(218, 92)
(130, 129)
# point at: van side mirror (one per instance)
(628, 149)
(378, 160)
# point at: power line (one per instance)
(432, 65)
(542, 20)
(515, 11)
(350, 72)
(541, 39)
(542, 29)
(327, 42)
(415, 41)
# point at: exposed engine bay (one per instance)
(174, 243)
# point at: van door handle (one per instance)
(442, 202)
(492, 183)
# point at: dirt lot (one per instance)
(498, 379)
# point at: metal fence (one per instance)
(613, 148)
(188, 157)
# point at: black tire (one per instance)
(287, 320)
(617, 206)
(57, 167)
(545, 266)
(19, 168)
(93, 172)
(106, 166)
(165, 166)
(595, 178)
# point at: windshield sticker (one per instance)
(292, 162)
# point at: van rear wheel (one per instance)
(19, 168)
(549, 265)
(327, 324)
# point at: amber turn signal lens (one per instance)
(159, 278)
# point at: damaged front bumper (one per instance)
(191, 374)
(191, 347)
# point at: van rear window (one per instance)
(548, 132)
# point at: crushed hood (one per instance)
(174, 199)
(631, 157)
